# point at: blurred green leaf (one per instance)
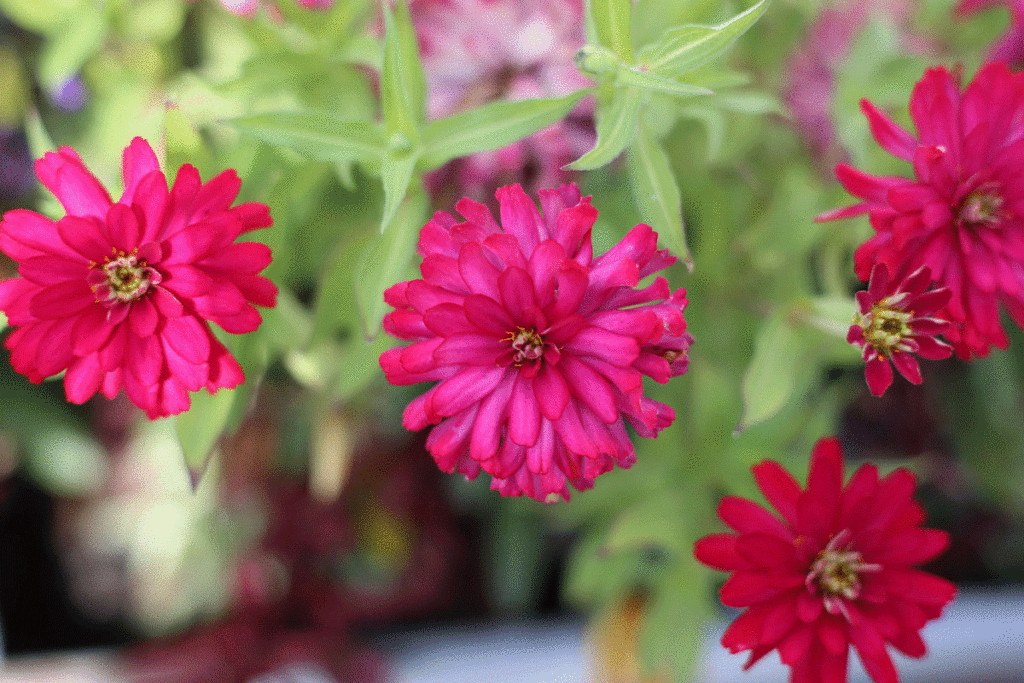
(770, 378)
(491, 126)
(396, 174)
(317, 135)
(616, 125)
(656, 192)
(402, 84)
(358, 366)
(654, 524)
(611, 21)
(674, 624)
(655, 83)
(202, 425)
(387, 259)
(184, 145)
(685, 48)
(66, 51)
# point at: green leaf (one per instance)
(387, 259)
(770, 378)
(655, 83)
(183, 144)
(201, 427)
(396, 174)
(317, 135)
(656, 192)
(685, 48)
(655, 523)
(402, 84)
(611, 21)
(66, 52)
(616, 125)
(491, 126)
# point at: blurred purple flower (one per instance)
(809, 81)
(477, 51)
(69, 95)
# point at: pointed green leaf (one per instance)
(491, 126)
(317, 135)
(611, 21)
(656, 523)
(655, 83)
(616, 125)
(685, 48)
(64, 53)
(387, 259)
(770, 378)
(395, 173)
(402, 84)
(656, 192)
(201, 427)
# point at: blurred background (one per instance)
(291, 530)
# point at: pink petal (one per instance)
(138, 160)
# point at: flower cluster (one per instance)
(836, 570)
(538, 348)
(962, 215)
(475, 52)
(895, 322)
(121, 294)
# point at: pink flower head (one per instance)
(895, 322)
(836, 570)
(121, 294)
(476, 51)
(1010, 46)
(963, 213)
(538, 348)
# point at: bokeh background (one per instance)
(294, 522)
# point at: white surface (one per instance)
(980, 638)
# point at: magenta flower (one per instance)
(837, 570)
(537, 347)
(121, 294)
(895, 322)
(963, 213)
(476, 51)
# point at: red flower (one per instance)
(895, 322)
(539, 347)
(121, 294)
(963, 215)
(836, 570)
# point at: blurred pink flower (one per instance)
(538, 348)
(1009, 47)
(961, 214)
(476, 51)
(810, 73)
(121, 294)
(836, 570)
(895, 321)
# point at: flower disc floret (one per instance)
(835, 569)
(120, 294)
(896, 321)
(538, 348)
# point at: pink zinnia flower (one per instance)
(121, 294)
(836, 570)
(963, 214)
(1009, 47)
(538, 347)
(476, 51)
(895, 321)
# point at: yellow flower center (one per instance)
(886, 325)
(122, 278)
(836, 571)
(528, 345)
